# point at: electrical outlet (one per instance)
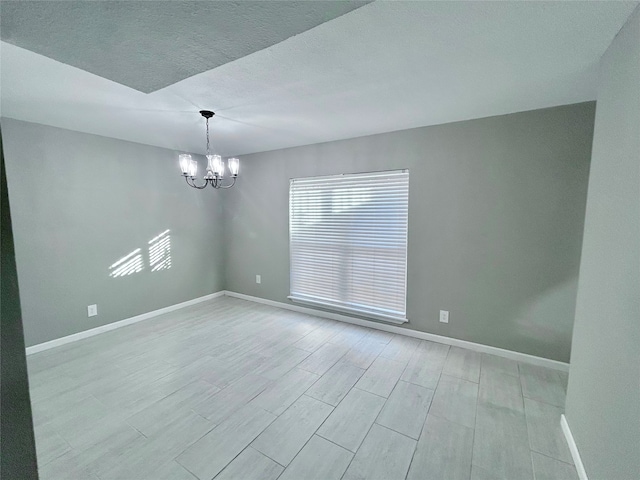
(258, 279)
(444, 316)
(92, 310)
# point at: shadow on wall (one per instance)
(538, 318)
(159, 251)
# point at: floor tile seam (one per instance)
(309, 439)
(355, 453)
(391, 358)
(187, 469)
(238, 407)
(372, 362)
(311, 396)
(373, 331)
(278, 352)
(415, 449)
(70, 449)
(394, 387)
(435, 389)
(405, 368)
(349, 344)
(521, 385)
(553, 458)
(444, 365)
(82, 399)
(343, 327)
(473, 444)
(520, 416)
(420, 384)
(375, 422)
(306, 394)
(428, 413)
(133, 426)
(241, 406)
(220, 389)
(251, 445)
(453, 421)
(173, 391)
(352, 452)
(138, 409)
(202, 417)
(311, 351)
(533, 471)
(489, 372)
(216, 426)
(173, 407)
(321, 374)
(495, 370)
(334, 409)
(316, 327)
(294, 366)
(365, 436)
(48, 397)
(58, 433)
(326, 418)
(460, 377)
(493, 404)
(367, 391)
(543, 402)
(191, 443)
(190, 410)
(270, 383)
(296, 399)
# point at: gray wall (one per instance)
(495, 222)
(79, 203)
(603, 397)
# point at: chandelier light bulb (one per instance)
(234, 166)
(185, 162)
(218, 166)
(193, 169)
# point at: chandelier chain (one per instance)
(207, 136)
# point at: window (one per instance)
(348, 243)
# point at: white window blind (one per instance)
(348, 242)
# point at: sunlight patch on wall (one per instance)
(127, 265)
(160, 252)
(159, 257)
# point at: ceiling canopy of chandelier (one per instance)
(215, 165)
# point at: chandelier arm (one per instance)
(192, 183)
(233, 182)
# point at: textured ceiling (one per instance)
(148, 45)
(382, 67)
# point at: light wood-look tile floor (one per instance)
(230, 389)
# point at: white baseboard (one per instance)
(517, 356)
(122, 323)
(500, 352)
(573, 448)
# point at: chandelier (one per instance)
(215, 165)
